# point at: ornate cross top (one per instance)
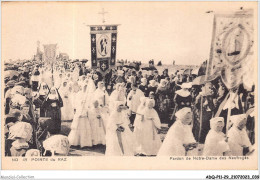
(103, 14)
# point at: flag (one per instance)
(103, 46)
(231, 47)
(50, 53)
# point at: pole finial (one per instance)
(103, 14)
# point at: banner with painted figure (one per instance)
(50, 53)
(231, 48)
(103, 47)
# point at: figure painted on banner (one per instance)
(150, 141)
(103, 46)
(53, 104)
(237, 136)
(119, 137)
(179, 140)
(216, 141)
(97, 124)
(133, 101)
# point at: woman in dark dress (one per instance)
(165, 74)
(52, 106)
(152, 87)
(43, 92)
(182, 99)
(163, 101)
(143, 87)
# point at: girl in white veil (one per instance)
(91, 88)
(117, 95)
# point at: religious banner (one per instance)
(50, 53)
(231, 47)
(103, 47)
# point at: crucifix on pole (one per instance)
(103, 14)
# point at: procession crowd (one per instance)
(124, 110)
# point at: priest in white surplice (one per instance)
(133, 101)
(101, 95)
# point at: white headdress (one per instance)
(236, 119)
(215, 120)
(182, 113)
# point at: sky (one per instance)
(165, 31)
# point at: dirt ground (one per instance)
(98, 150)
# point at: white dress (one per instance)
(80, 133)
(101, 96)
(236, 140)
(215, 144)
(177, 135)
(138, 128)
(97, 126)
(114, 138)
(67, 112)
(149, 138)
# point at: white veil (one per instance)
(88, 97)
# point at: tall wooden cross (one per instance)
(103, 14)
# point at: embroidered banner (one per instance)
(50, 53)
(231, 47)
(103, 47)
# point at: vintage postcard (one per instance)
(129, 85)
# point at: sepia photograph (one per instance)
(129, 85)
